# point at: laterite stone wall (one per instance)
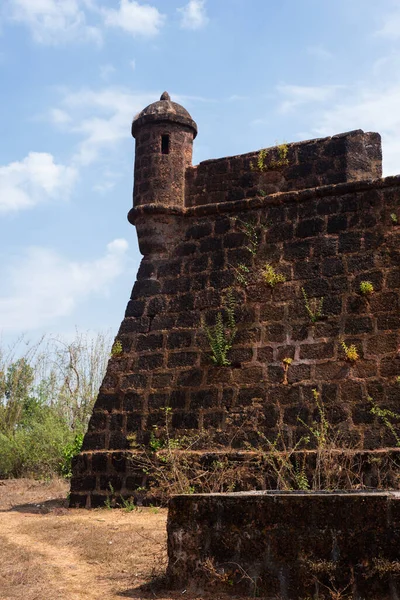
(346, 157)
(324, 222)
(290, 546)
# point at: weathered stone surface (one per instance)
(291, 545)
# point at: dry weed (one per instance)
(22, 573)
(109, 538)
(16, 493)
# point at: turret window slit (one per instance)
(165, 144)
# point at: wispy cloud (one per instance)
(101, 117)
(134, 18)
(44, 285)
(391, 24)
(371, 109)
(186, 99)
(106, 71)
(34, 180)
(297, 95)
(59, 117)
(54, 21)
(237, 98)
(193, 15)
(107, 181)
(319, 52)
(371, 106)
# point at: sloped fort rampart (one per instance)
(319, 214)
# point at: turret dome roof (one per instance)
(163, 111)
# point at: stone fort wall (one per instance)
(322, 219)
(289, 545)
(351, 156)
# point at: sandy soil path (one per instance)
(48, 552)
(71, 577)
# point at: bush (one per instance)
(41, 448)
(46, 398)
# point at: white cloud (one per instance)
(54, 21)
(391, 25)
(104, 186)
(45, 286)
(107, 181)
(297, 95)
(319, 52)
(106, 71)
(185, 99)
(372, 109)
(137, 19)
(193, 15)
(133, 64)
(237, 98)
(102, 117)
(370, 104)
(35, 179)
(59, 117)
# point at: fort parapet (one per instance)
(319, 214)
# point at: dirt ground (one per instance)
(50, 552)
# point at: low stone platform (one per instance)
(287, 545)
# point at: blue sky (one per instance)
(74, 73)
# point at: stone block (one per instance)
(307, 537)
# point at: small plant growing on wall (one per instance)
(289, 469)
(221, 335)
(366, 288)
(242, 273)
(282, 160)
(351, 352)
(314, 308)
(262, 163)
(116, 349)
(320, 429)
(261, 158)
(385, 567)
(286, 364)
(394, 219)
(387, 416)
(271, 277)
(249, 229)
(245, 274)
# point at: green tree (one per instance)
(16, 385)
